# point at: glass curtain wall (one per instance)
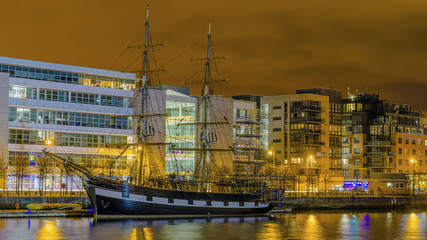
(180, 132)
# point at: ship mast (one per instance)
(205, 127)
(143, 93)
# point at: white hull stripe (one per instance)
(177, 202)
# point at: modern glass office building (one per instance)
(76, 112)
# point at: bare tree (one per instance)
(110, 167)
(3, 172)
(42, 165)
(20, 165)
(133, 171)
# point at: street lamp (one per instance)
(311, 162)
(49, 142)
(413, 179)
(270, 153)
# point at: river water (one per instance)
(307, 225)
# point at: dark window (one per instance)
(399, 140)
(413, 141)
(241, 204)
(225, 203)
(356, 173)
(277, 140)
(149, 198)
(277, 129)
(406, 140)
(190, 202)
(277, 107)
(277, 118)
(356, 140)
(209, 203)
(170, 200)
(256, 204)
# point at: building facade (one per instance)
(75, 112)
(296, 132)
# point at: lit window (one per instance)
(345, 173)
(356, 151)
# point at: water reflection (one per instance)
(313, 225)
(412, 225)
(144, 233)
(269, 231)
(49, 231)
(312, 228)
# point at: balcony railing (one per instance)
(380, 165)
(335, 165)
(375, 154)
(308, 119)
(307, 108)
(308, 131)
(377, 143)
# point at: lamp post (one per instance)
(311, 161)
(413, 179)
(49, 142)
(272, 157)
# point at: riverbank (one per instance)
(353, 202)
(52, 213)
(9, 203)
(285, 204)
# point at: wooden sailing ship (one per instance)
(173, 194)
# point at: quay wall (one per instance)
(297, 203)
(9, 202)
(353, 202)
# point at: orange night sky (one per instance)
(273, 47)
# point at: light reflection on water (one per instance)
(310, 225)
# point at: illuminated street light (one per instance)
(49, 142)
(311, 162)
(413, 179)
(272, 157)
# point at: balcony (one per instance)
(347, 166)
(307, 108)
(377, 143)
(331, 144)
(347, 133)
(335, 165)
(346, 122)
(308, 131)
(378, 154)
(380, 165)
(249, 135)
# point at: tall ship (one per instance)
(204, 188)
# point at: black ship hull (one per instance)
(129, 200)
